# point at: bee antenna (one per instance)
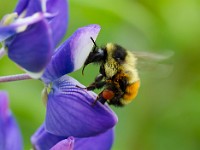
(83, 70)
(93, 41)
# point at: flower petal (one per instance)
(2, 136)
(103, 141)
(70, 111)
(42, 140)
(57, 7)
(29, 6)
(20, 22)
(13, 135)
(21, 5)
(60, 21)
(33, 7)
(66, 144)
(10, 137)
(32, 49)
(8, 31)
(71, 55)
(4, 109)
(3, 116)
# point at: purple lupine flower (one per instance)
(42, 140)
(69, 109)
(31, 33)
(10, 136)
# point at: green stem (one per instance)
(17, 77)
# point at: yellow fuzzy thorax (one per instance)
(128, 67)
(111, 66)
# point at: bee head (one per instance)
(116, 53)
(119, 53)
(96, 55)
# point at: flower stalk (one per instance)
(16, 77)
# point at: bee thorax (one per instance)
(111, 69)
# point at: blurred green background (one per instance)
(166, 113)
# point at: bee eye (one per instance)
(119, 53)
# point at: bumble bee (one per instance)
(118, 74)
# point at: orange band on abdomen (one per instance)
(131, 92)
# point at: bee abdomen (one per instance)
(131, 92)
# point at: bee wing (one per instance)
(156, 57)
(154, 64)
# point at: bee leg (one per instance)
(123, 84)
(116, 100)
(80, 87)
(100, 99)
(93, 86)
(96, 85)
(99, 78)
